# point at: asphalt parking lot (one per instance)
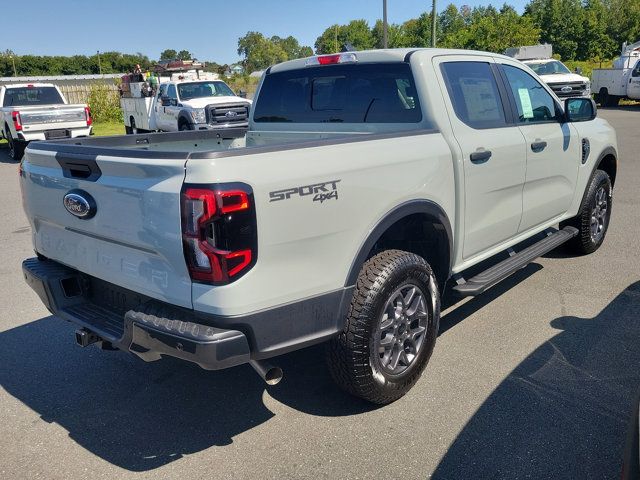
(535, 379)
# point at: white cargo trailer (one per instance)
(620, 82)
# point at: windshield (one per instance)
(28, 96)
(548, 68)
(365, 93)
(188, 91)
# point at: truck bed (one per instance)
(195, 144)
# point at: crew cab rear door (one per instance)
(553, 148)
(493, 149)
(131, 236)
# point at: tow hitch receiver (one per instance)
(85, 337)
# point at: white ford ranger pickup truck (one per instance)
(366, 183)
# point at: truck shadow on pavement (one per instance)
(565, 410)
(141, 416)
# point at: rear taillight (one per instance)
(218, 232)
(87, 114)
(17, 121)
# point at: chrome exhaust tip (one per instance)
(270, 374)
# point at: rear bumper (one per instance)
(150, 330)
(30, 136)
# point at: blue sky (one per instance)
(209, 29)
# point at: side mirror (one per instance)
(242, 94)
(580, 110)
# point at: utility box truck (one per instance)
(620, 82)
(185, 99)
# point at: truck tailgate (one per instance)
(134, 238)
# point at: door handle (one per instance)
(481, 156)
(538, 145)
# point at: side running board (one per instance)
(497, 273)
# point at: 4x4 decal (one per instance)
(321, 191)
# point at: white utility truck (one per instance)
(39, 111)
(366, 182)
(554, 73)
(622, 81)
(187, 100)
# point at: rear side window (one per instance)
(474, 93)
(361, 93)
(27, 96)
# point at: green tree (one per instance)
(496, 33)
(595, 44)
(357, 33)
(168, 54)
(184, 55)
(259, 52)
(396, 35)
(418, 30)
(623, 24)
(292, 47)
(561, 24)
(453, 28)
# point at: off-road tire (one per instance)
(184, 127)
(351, 358)
(584, 243)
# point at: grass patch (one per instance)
(103, 129)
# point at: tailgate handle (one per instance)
(80, 166)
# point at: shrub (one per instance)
(104, 102)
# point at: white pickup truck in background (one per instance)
(622, 81)
(188, 104)
(39, 111)
(563, 82)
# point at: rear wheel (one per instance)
(391, 328)
(134, 128)
(16, 147)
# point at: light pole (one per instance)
(13, 61)
(385, 36)
(99, 63)
(433, 25)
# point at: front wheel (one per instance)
(391, 328)
(593, 218)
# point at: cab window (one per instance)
(171, 91)
(534, 103)
(474, 94)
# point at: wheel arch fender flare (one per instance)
(185, 116)
(608, 152)
(432, 210)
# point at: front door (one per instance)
(493, 150)
(553, 148)
(633, 89)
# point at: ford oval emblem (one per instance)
(231, 114)
(80, 204)
(566, 89)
